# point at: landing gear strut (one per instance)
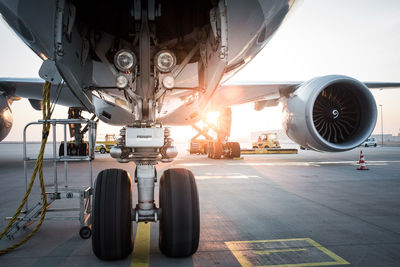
(145, 142)
(78, 147)
(219, 147)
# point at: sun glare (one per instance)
(212, 117)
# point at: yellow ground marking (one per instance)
(269, 151)
(338, 259)
(141, 249)
(244, 262)
(267, 252)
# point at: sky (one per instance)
(358, 38)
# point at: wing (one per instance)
(268, 94)
(32, 89)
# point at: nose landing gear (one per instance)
(178, 212)
(145, 142)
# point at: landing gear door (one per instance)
(214, 51)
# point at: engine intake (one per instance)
(330, 113)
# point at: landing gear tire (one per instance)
(217, 150)
(83, 149)
(235, 150)
(73, 150)
(85, 232)
(111, 222)
(210, 149)
(206, 149)
(180, 215)
(61, 150)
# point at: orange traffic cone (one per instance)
(363, 166)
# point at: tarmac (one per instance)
(305, 209)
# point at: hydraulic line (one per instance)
(46, 111)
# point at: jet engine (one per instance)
(6, 119)
(331, 113)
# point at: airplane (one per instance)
(144, 64)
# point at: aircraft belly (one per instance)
(251, 24)
(182, 115)
(33, 22)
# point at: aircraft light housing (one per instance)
(121, 81)
(168, 82)
(125, 60)
(165, 60)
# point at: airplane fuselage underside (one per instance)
(209, 40)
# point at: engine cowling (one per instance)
(6, 119)
(331, 113)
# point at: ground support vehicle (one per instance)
(267, 140)
(102, 148)
(369, 142)
(105, 146)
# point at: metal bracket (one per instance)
(48, 72)
(58, 30)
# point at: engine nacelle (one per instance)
(6, 118)
(330, 113)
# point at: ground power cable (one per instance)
(46, 112)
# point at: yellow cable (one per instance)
(38, 167)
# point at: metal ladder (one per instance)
(84, 194)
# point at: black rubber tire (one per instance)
(61, 150)
(85, 232)
(111, 221)
(235, 150)
(102, 150)
(205, 149)
(366, 145)
(217, 150)
(375, 145)
(180, 213)
(83, 149)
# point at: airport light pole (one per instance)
(381, 123)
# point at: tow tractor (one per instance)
(105, 146)
(218, 147)
(267, 140)
(268, 143)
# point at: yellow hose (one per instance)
(38, 167)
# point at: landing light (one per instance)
(169, 82)
(125, 60)
(121, 81)
(165, 60)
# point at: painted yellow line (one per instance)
(239, 253)
(267, 252)
(141, 249)
(337, 258)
